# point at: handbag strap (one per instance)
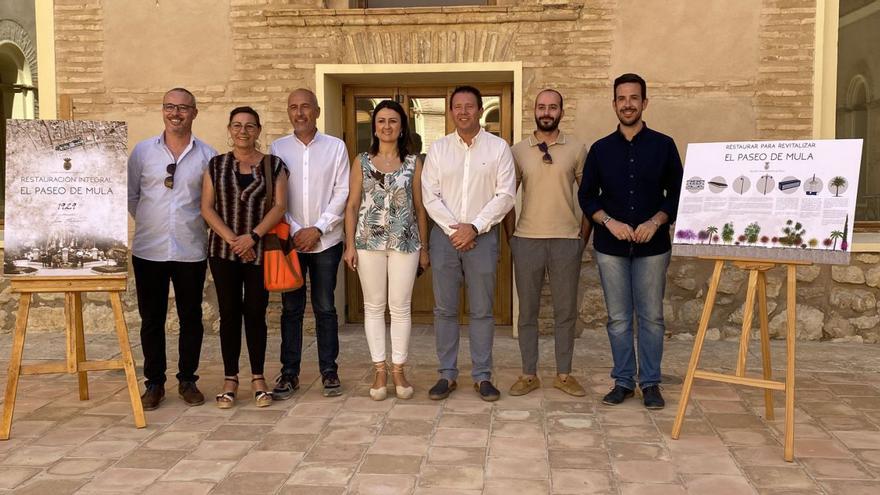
(270, 183)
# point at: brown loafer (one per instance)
(569, 385)
(190, 394)
(524, 385)
(152, 396)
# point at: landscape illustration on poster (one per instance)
(66, 196)
(773, 200)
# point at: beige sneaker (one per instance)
(569, 385)
(524, 385)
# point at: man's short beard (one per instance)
(549, 128)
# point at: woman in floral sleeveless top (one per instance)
(386, 239)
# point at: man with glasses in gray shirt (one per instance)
(170, 243)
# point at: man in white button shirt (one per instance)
(468, 187)
(170, 243)
(317, 192)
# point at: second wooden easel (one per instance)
(757, 286)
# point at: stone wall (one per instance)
(751, 78)
(836, 303)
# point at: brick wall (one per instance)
(717, 70)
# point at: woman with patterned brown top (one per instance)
(234, 206)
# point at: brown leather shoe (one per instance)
(153, 395)
(190, 394)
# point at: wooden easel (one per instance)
(75, 361)
(757, 283)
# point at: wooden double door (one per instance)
(427, 110)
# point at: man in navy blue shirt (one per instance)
(630, 190)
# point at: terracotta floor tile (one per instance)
(11, 477)
(457, 455)
(250, 483)
(180, 488)
(716, 484)
(382, 484)
(264, 461)
(591, 459)
(460, 437)
(779, 477)
(123, 480)
(517, 486)
(195, 470)
(578, 481)
(651, 489)
(517, 468)
(645, 471)
(391, 464)
(837, 468)
(322, 473)
(452, 477)
(851, 487)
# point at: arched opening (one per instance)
(855, 126)
(17, 97)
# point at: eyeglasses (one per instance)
(170, 107)
(238, 126)
(546, 150)
(169, 181)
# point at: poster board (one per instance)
(770, 200)
(66, 198)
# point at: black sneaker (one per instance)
(332, 385)
(653, 398)
(487, 391)
(617, 395)
(285, 385)
(441, 389)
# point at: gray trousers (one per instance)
(532, 258)
(477, 269)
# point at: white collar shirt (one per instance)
(317, 185)
(168, 222)
(473, 184)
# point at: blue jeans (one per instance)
(634, 284)
(321, 270)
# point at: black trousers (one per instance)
(151, 280)
(230, 277)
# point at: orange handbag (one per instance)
(281, 270)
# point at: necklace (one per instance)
(388, 160)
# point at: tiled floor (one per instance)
(545, 442)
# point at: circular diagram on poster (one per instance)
(812, 186)
(695, 184)
(789, 185)
(765, 184)
(741, 184)
(718, 184)
(838, 185)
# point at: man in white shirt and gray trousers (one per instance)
(469, 185)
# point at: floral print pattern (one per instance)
(386, 219)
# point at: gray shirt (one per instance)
(168, 222)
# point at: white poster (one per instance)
(66, 197)
(775, 200)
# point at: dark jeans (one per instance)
(229, 279)
(321, 270)
(151, 280)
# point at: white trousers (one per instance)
(387, 277)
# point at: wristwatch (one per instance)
(654, 222)
(255, 236)
(606, 219)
